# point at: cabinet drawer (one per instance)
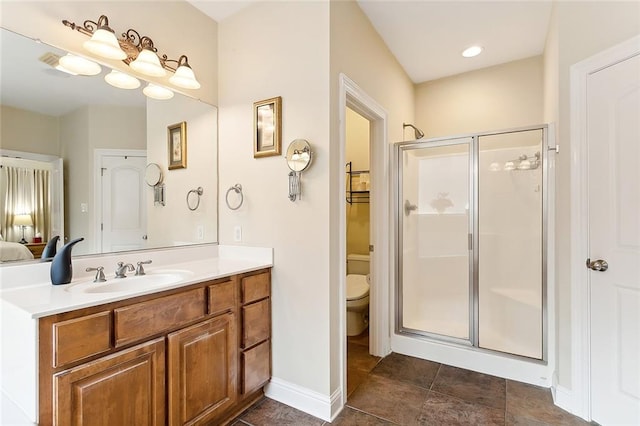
(255, 287)
(256, 367)
(222, 297)
(79, 338)
(255, 323)
(145, 319)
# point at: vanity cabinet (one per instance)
(195, 355)
(130, 383)
(256, 331)
(202, 366)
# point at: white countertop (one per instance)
(40, 298)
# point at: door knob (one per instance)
(597, 265)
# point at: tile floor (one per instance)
(401, 390)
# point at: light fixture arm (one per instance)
(131, 42)
(89, 27)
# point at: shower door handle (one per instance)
(408, 207)
(597, 265)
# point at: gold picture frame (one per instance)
(177, 144)
(267, 126)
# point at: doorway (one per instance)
(353, 97)
(606, 235)
(121, 220)
(358, 187)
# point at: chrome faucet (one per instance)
(99, 274)
(140, 269)
(121, 270)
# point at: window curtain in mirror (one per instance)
(26, 191)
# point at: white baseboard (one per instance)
(311, 402)
(563, 398)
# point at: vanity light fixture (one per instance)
(79, 65)
(103, 40)
(136, 51)
(122, 80)
(53, 60)
(472, 51)
(157, 92)
(184, 76)
(147, 62)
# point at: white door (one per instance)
(613, 137)
(124, 217)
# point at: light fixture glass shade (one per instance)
(105, 44)
(79, 65)
(121, 80)
(148, 63)
(185, 78)
(157, 92)
(64, 70)
(22, 220)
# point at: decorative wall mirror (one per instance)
(299, 158)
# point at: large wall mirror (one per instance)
(74, 153)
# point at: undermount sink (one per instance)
(132, 283)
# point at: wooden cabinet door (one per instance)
(126, 388)
(202, 371)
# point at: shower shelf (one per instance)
(354, 179)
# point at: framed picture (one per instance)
(177, 141)
(267, 124)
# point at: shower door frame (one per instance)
(474, 246)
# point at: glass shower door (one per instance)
(511, 262)
(434, 227)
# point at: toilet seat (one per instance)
(357, 287)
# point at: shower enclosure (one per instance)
(471, 227)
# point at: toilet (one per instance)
(357, 293)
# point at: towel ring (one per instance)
(237, 188)
(198, 192)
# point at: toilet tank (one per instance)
(358, 264)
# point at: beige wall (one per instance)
(499, 97)
(176, 27)
(581, 29)
(81, 132)
(357, 152)
(358, 52)
(251, 69)
(28, 131)
(202, 153)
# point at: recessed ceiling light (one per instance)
(472, 51)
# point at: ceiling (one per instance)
(427, 37)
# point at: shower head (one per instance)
(418, 133)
